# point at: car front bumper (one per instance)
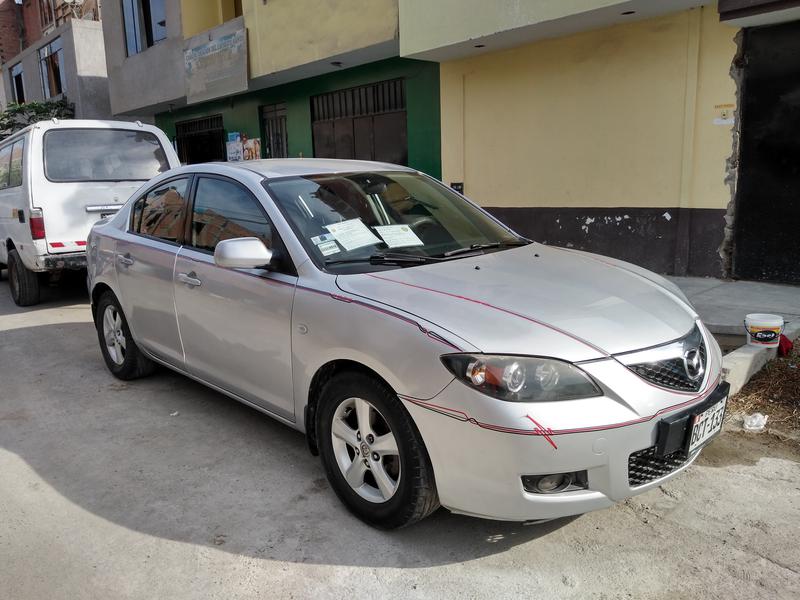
(479, 459)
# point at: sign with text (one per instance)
(216, 62)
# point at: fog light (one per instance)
(554, 482)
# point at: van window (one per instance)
(5, 163)
(15, 175)
(102, 155)
(159, 213)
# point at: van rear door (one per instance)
(88, 173)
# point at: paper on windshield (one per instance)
(398, 236)
(328, 248)
(352, 234)
(326, 244)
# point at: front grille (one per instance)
(671, 373)
(644, 466)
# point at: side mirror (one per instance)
(242, 253)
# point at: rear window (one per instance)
(102, 155)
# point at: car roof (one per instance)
(83, 124)
(287, 167)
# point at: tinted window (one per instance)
(102, 155)
(15, 176)
(223, 211)
(5, 161)
(160, 212)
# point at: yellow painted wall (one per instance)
(288, 33)
(199, 15)
(429, 24)
(617, 117)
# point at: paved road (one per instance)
(104, 494)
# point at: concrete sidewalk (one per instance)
(723, 304)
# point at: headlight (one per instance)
(521, 378)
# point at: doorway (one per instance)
(364, 123)
(200, 140)
(273, 131)
(766, 242)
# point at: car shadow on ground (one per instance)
(71, 290)
(170, 458)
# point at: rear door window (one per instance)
(5, 163)
(159, 213)
(15, 174)
(102, 155)
(224, 210)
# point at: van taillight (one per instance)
(37, 224)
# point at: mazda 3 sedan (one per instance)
(430, 354)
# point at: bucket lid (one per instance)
(765, 319)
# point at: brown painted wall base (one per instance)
(649, 237)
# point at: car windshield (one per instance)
(102, 155)
(357, 220)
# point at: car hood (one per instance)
(537, 300)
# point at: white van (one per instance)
(57, 178)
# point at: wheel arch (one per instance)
(7, 246)
(98, 290)
(322, 376)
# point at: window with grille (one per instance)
(200, 140)
(273, 122)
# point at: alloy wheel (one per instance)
(366, 450)
(113, 334)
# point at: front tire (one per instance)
(24, 284)
(373, 454)
(121, 354)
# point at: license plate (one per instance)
(706, 425)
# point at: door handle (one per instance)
(125, 259)
(189, 279)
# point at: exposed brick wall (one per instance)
(32, 16)
(32, 22)
(10, 44)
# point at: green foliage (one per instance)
(19, 116)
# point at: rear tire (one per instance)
(121, 354)
(24, 284)
(387, 482)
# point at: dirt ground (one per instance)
(774, 392)
(105, 494)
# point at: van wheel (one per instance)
(373, 454)
(24, 284)
(121, 354)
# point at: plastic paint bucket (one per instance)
(763, 329)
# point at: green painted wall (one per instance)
(241, 113)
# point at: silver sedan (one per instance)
(431, 355)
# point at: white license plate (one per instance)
(706, 425)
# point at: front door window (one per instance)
(222, 211)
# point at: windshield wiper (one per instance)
(490, 245)
(387, 258)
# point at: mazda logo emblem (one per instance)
(693, 363)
